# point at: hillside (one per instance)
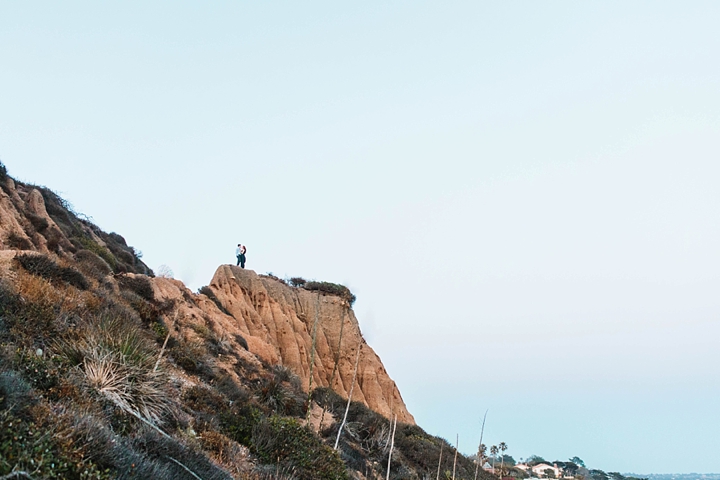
(107, 371)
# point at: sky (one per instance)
(522, 195)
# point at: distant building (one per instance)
(540, 470)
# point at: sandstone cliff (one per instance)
(277, 320)
(273, 319)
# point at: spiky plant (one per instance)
(118, 363)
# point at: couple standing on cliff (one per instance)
(240, 254)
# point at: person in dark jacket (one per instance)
(240, 254)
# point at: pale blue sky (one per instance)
(523, 195)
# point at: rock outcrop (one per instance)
(278, 321)
(259, 318)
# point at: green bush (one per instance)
(193, 357)
(33, 439)
(235, 418)
(333, 289)
(139, 284)
(286, 441)
(27, 446)
(43, 371)
(280, 396)
(89, 244)
(93, 264)
(46, 267)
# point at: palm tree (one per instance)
(494, 451)
(503, 446)
(482, 450)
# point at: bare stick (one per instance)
(352, 387)
(440, 460)
(146, 422)
(480, 454)
(186, 468)
(392, 447)
(162, 350)
(457, 443)
(312, 354)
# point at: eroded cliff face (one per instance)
(277, 321)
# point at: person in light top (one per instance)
(240, 254)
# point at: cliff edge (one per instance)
(277, 320)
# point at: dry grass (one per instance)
(46, 267)
(38, 290)
(231, 455)
(117, 362)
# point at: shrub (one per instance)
(38, 222)
(235, 392)
(139, 284)
(287, 442)
(207, 291)
(192, 357)
(144, 454)
(330, 399)
(59, 209)
(3, 171)
(238, 423)
(93, 263)
(46, 267)
(29, 446)
(43, 372)
(331, 288)
(149, 312)
(174, 456)
(279, 397)
(91, 245)
(55, 241)
(128, 258)
(274, 277)
(34, 439)
(18, 242)
(13, 389)
(297, 281)
(241, 341)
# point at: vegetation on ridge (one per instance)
(326, 287)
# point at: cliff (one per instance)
(275, 320)
(128, 375)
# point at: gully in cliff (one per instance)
(240, 254)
